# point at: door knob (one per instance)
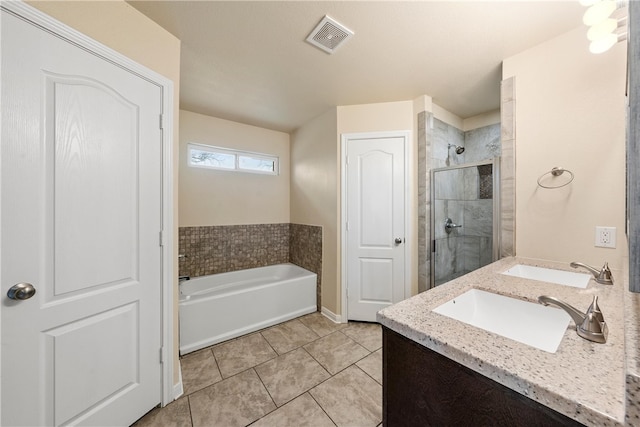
(398, 240)
(21, 291)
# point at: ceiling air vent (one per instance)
(329, 35)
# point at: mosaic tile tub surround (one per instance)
(218, 249)
(305, 250)
(221, 248)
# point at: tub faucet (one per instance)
(602, 276)
(590, 325)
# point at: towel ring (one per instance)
(556, 171)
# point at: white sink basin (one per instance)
(559, 277)
(529, 323)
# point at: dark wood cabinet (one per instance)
(424, 388)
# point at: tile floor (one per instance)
(305, 372)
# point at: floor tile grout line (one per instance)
(293, 398)
(306, 391)
(268, 343)
(268, 392)
(330, 374)
(331, 377)
(323, 410)
(366, 373)
(278, 355)
(208, 385)
(317, 338)
(318, 362)
(190, 413)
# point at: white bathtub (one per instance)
(222, 306)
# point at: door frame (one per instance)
(409, 234)
(166, 238)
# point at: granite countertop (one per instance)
(583, 380)
(632, 347)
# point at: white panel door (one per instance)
(81, 215)
(375, 225)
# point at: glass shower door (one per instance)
(464, 215)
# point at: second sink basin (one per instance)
(559, 277)
(529, 323)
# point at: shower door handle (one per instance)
(450, 225)
(399, 240)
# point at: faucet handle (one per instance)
(594, 309)
(593, 328)
(605, 275)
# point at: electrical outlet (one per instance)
(605, 237)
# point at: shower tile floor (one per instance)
(308, 371)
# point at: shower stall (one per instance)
(464, 229)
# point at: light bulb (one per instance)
(603, 44)
(599, 12)
(600, 30)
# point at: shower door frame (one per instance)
(495, 169)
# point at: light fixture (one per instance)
(606, 30)
(603, 44)
(598, 12)
(600, 30)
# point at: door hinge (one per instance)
(433, 246)
(347, 226)
(161, 355)
(161, 238)
(161, 121)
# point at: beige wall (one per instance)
(121, 27)
(212, 197)
(481, 120)
(314, 193)
(570, 112)
(315, 177)
(380, 117)
(447, 116)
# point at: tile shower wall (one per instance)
(482, 143)
(425, 136)
(433, 138)
(507, 168)
(218, 249)
(464, 196)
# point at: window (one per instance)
(206, 156)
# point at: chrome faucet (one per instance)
(602, 276)
(590, 325)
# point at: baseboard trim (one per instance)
(178, 390)
(331, 315)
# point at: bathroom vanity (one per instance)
(423, 388)
(441, 371)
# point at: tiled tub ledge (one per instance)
(582, 380)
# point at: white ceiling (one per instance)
(249, 62)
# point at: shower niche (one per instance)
(464, 229)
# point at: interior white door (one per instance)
(375, 225)
(81, 214)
